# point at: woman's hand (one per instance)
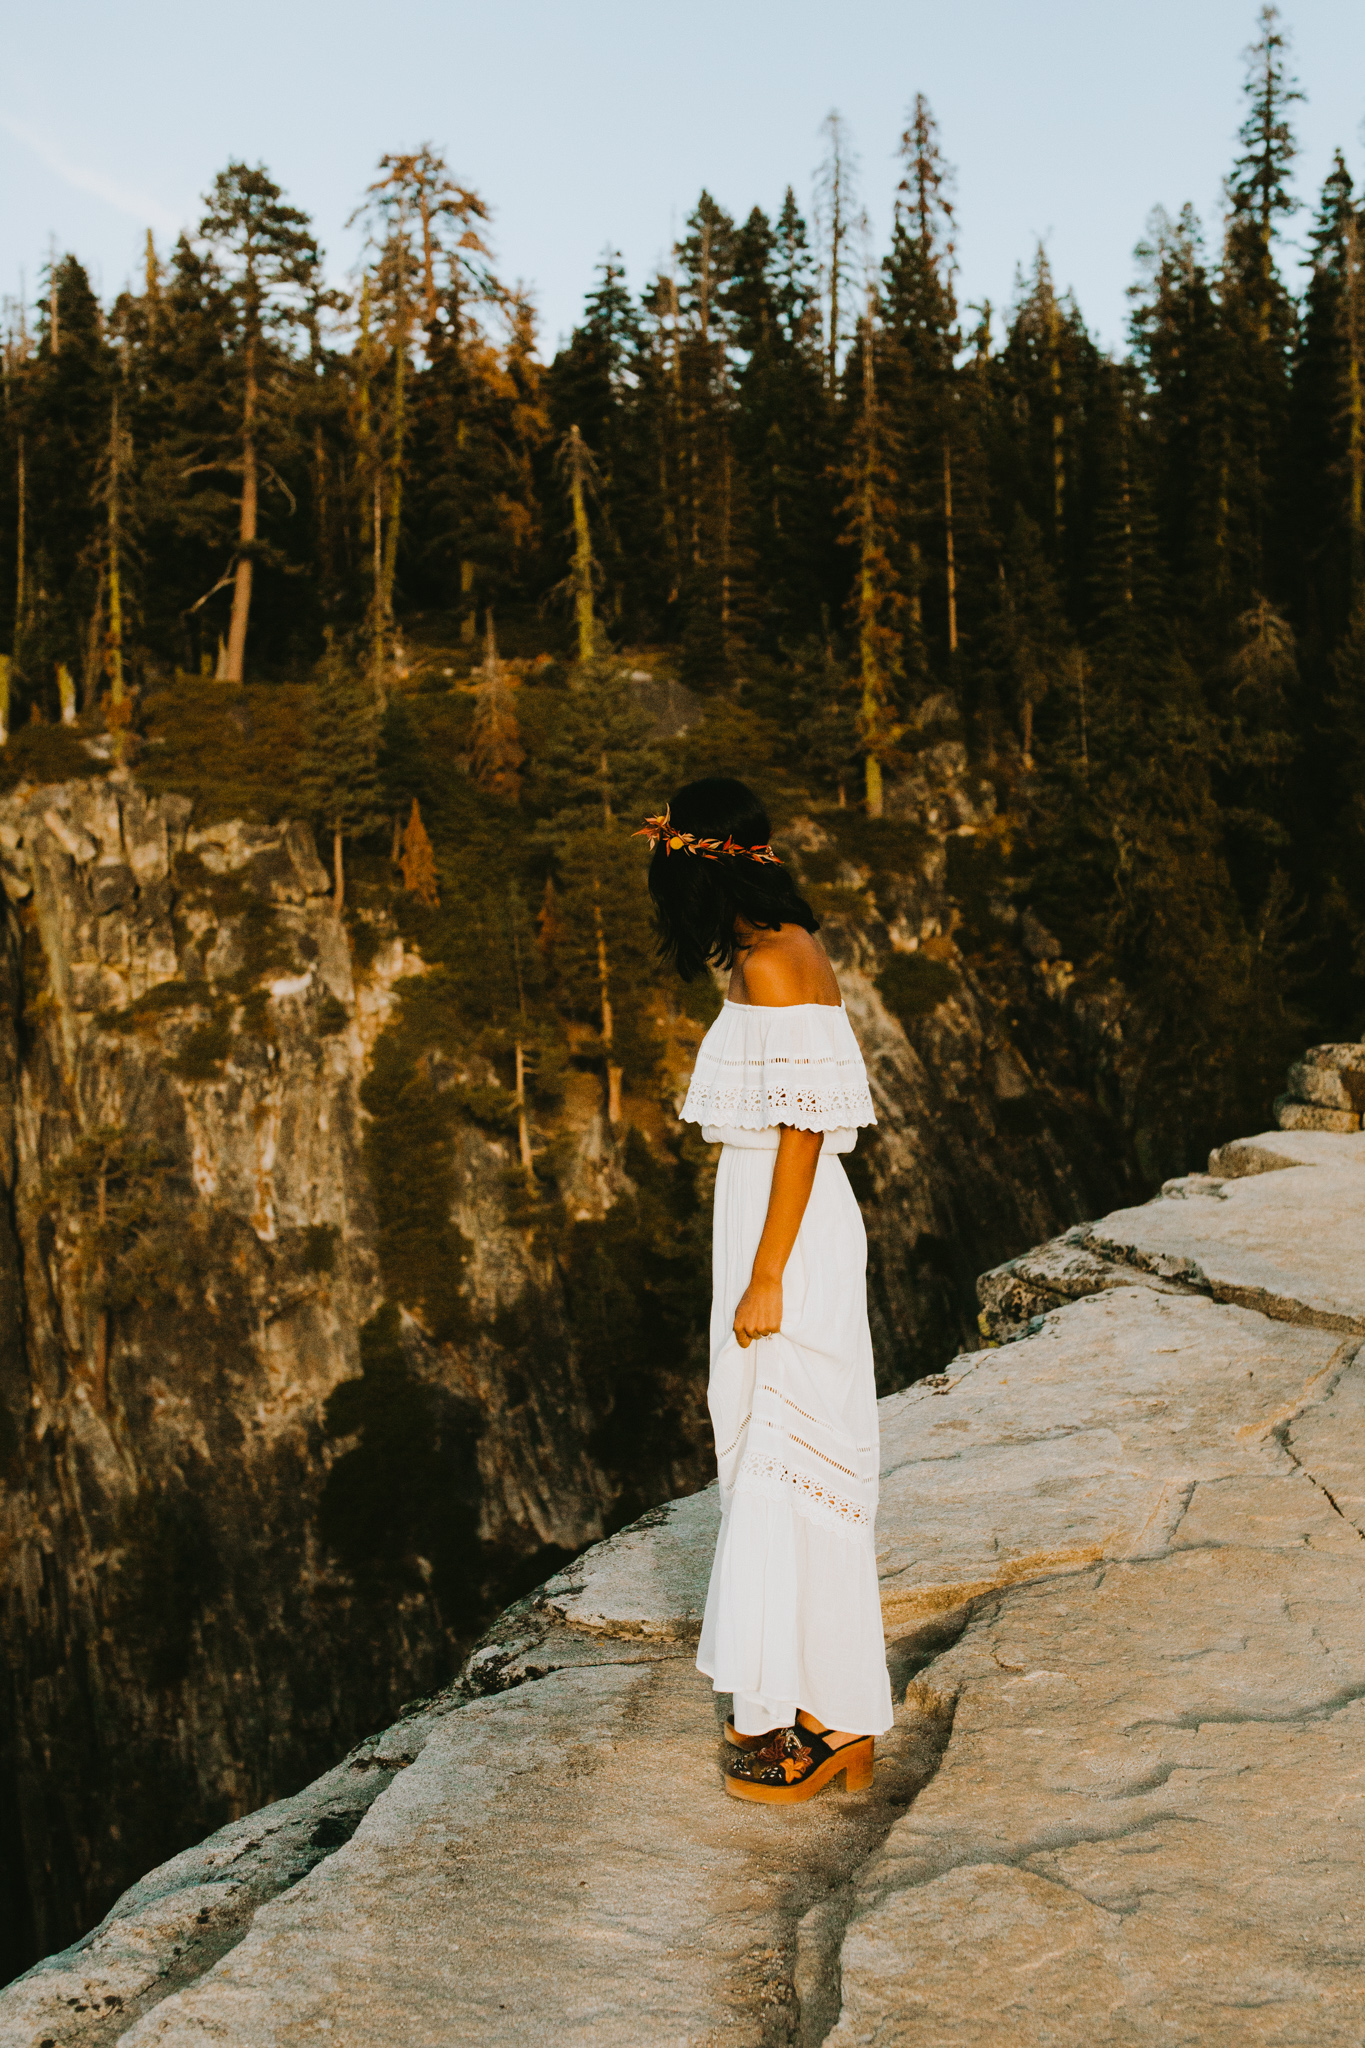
(760, 1311)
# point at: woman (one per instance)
(793, 1620)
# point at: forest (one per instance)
(795, 474)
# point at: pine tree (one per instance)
(497, 756)
(596, 775)
(1258, 318)
(877, 606)
(1327, 442)
(478, 424)
(704, 508)
(266, 263)
(426, 233)
(1029, 645)
(418, 862)
(115, 492)
(591, 385)
(1178, 349)
(920, 390)
(839, 221)
(340, 778)
(781, 430)
(580, 474)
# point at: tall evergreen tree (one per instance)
(1258, 320)
(1327, 444)
(266, 263)
(341, 782)
(921, 318)
(872, 530)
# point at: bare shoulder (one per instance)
(786, 967)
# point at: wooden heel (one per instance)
(859, 1766)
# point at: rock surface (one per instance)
(193, 1236)
(1123, 1569)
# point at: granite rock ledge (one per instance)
(1123, 1574)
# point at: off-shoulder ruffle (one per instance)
(758, 1066)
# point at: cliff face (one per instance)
(1123, 1589)
(251, 1506)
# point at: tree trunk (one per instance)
(428, 259)
(1355, 400)
(603, 967)
(113, 575)
(66, 693)
(950, 558)
(608, 1030)
(395, 505)
(246, 525)
(469, 624)
(94, 648)
(1054, 325)
(21, 551)
(339, 876)
(869, 597)
(4, 699)
(582, 559)
(523, 1127)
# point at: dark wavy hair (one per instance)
(698, 900)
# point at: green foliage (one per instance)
(912, 985)
(596, 758)
(235, 752)
(340, 769)
(46, 753)
(110, 1198)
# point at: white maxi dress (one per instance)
(793, 1617)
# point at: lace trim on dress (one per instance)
(737, 1435)
(815, 1501)
(800, 1066)
(778, 1394)
(778, 1090)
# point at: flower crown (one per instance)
(661, 831)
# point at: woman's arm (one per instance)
(760, 1312)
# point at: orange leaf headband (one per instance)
(661, 831)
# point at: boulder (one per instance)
(1292, 1115)
(1331, 1076)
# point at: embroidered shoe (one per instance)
(738, 1741)
(795, 1764)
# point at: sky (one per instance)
(588, 123)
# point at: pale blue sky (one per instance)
(599, 121)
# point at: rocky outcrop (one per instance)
(187, 1263)
(1123, 1573)
(1325, 1090)
(254, 1496)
